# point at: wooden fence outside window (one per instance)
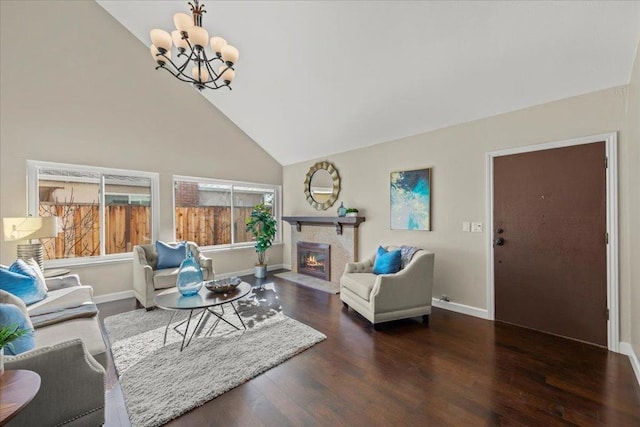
(130, 225)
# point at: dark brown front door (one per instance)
(550, 268)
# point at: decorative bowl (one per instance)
(222, 286)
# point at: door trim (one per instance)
(611, 152)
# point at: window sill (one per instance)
(126, 258)
(249, 245)
(88, 262)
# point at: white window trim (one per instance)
(277, 207)
(33, 200)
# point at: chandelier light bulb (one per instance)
(217, 43)
(226, 74)
(230, 54)
(182, 21)
(161, 39)
(155, 54)
(198, 36)
(200, 74)
(180, 43)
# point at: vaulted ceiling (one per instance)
(316, 78)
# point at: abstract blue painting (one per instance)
(411, 200)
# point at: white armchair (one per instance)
(148, 281)
(385, 297)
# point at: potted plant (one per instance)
(352, 212)
(8, 334)
(262, 224)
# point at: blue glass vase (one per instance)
(190, 276)
(342, 211)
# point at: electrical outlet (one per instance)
(466, 226)
(476, 227)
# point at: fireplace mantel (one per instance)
(338, 222)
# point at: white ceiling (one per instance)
(317, 78)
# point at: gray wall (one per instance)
(67, 97)
(79, 88)
(458, 158)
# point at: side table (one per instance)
(17, 389)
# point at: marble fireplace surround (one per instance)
(340, 233)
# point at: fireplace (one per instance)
(314, 259)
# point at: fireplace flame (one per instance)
(313, 262)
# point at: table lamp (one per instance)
(28, 231)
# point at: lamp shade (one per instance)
(200, 74)
(155, 54)
(230, 54)
(182, 21)
(217, 43)
(227, 73)
(198, 36)
(161, 39)
(180, 43)
(31, 227)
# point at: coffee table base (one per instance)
(202, 314)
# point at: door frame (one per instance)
(611, 149)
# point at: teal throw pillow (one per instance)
(11, 316)
(23, 285)
(170, 256)
(387, 262)
(30, 268)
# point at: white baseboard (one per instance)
(113, 297)
(248, 271)
(286, 266)
(626, 348)
(99, 299)
(461, 308)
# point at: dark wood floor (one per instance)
(459, 370)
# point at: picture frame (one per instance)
(410, 199)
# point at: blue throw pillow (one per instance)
(20, 266)
(23, 286)
(170, 256)
(11, 316)
(387, 262)
(30, 268)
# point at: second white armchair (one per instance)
(385, 297)
(149, 281)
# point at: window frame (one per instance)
(33, 167)
(277, 207)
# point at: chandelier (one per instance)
(191, 40)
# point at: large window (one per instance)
(211, 212)
(101, 212)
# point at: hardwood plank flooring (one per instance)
(459, 370)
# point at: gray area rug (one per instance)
(310, 282)
(161, 383)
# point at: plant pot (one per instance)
(1, 361)
(352, 213)
(261, 271)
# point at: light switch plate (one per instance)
(476, 227)
(466, 226)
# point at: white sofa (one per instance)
(385, 297)
(148, 281)
(70, 357)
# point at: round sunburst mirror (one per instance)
(322, 185)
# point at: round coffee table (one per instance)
(205, 300)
